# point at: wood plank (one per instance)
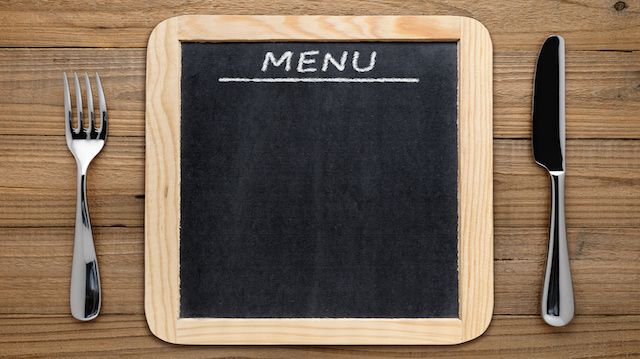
(594, 244)
(37, 187)
(603, 90)
(40, 207)
(602, 94)
(508, 337)
(117, 170)
(36, 270)
(597, 285)
(604, 264)
(601, 187)
(31, 88)
(603, 183)
(586, 24)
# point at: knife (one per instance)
(548, 151)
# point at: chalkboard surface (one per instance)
(316, 186)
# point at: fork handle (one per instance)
(557, 294)
(85, 295)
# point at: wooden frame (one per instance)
(475, 184)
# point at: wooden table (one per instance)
(37, 176)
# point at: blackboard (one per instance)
(318, 180)
(319, 186)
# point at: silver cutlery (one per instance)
(85, 141)
(548, 137)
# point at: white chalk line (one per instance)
(321, 79)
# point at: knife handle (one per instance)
(557, 294)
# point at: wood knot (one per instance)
(620, 5)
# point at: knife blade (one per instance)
(548, 138)
(548, 106)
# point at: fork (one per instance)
(84, 141)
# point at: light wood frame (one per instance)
(475, 180)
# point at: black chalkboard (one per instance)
(319, 193)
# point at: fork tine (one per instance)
(102, 104)
(79, 109)
(91, 117)
(67, 106)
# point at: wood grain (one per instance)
(36, 199)
(31, 90)
(40, 170)
(603, 90)
(509, 337)
(475, 178)
(585, 24)
(603, 184)
(162, 182)
(604, 266)
(36, 269)
(601, 187)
